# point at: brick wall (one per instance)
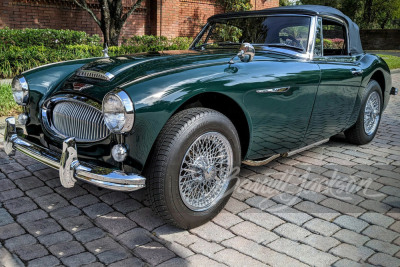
(186, 17)
(159, 17)
(63, 14)
(380, 39)
(193, 14)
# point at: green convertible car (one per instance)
(253, 86)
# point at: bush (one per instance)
(46, 37)
(21, 50)
(336, 43)
(157, 43)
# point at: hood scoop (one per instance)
(93, 74)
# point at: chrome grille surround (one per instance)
(67, 117)
(101, 75)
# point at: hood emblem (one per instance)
(101, 75)
(81, 86)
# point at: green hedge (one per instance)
(18, 55)
(46, 37)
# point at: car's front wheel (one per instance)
(191, 171)
(364, 130)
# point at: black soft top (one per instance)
(313, 10)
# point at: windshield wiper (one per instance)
(286, 46)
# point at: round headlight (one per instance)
(20, 90)
(118, 111)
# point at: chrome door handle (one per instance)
(356, 72)
(273, 90)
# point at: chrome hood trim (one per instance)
(100, 75)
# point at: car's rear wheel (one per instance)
(364, 130)
(190, 171)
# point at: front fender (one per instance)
(157, 99)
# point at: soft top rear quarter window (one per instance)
(334, 38)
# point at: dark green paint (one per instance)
(323, 98)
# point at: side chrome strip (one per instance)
(273, 90)
(262, 162)
(291, 153)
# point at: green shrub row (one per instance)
(157, 43)
(21, 50)
(46, 37)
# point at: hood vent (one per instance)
(100, 75)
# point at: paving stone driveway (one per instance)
(336, 204)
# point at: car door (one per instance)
(340, 81)
(281, 105)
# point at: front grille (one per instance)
(79, 120)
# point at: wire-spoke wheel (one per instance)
(205, 171)
(190, 173)
(372, 113)
(369, 117)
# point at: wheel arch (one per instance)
(380, 79)
(227, 106)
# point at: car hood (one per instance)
(97, 78)
(124, 70)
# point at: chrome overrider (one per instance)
(70, 168)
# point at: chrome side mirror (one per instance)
(246, 53)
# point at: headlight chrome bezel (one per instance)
(127, 108)
(23, 88)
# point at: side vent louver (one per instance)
(106, 76)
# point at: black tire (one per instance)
(357, 134)
(163, 170)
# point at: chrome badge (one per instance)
(80, 86)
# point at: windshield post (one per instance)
(198, 37)
(312, 36)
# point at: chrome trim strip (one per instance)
(68, 164)
(291, 153)
(273, 90)
(256, 163)
(262, 162)
(357, 72)
(95, 74)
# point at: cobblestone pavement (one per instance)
(336, 204)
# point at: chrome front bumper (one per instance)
(70, 168)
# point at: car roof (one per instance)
(313, 10)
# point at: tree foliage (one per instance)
(235, 5)
(112, 17)
(366, 13)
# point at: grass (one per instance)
(7, 105)
(392, 61)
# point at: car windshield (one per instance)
(288, 32)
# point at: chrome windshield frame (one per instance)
(308, 54)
